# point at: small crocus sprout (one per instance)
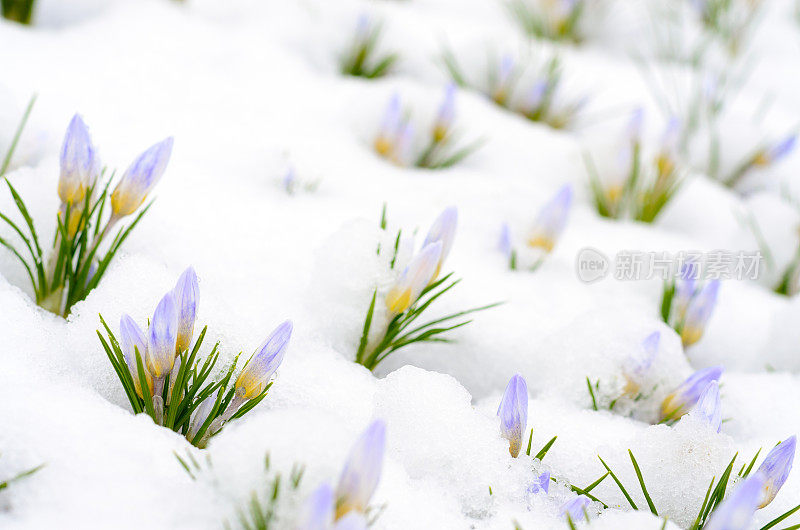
(551, 220)
(541, 484)
(683, 398)
(362, 471)
(446, 114)
(262, 365)
(665, 159)
(317, 511)
(140, 179)
(575, 508)
(385, 141)
(639, 363)
(80, 165)
(200, 415)
(709, 408)
(187, 294)
(513, 412)
(776, 152)
(736, 512)
(698, 312)
(416, 276)
(444, 230)
(503, 81)
(133, 339)
(162, 336)
(775, 469)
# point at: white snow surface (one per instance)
(249, 88)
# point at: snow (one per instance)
(250, 89)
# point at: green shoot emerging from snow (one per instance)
(362, 58)
(417, 287)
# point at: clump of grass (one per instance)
(559, 20)
(397, 139)
(533, 90)
(417, 286)
(643, 185)
(88, 215)
(732, 22)
(363, 57)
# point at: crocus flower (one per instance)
(775, 469)
(362, 471)
(551, 220)
(501, 89)
(541, 484)
(384, 142)
(140, 179)
(736, 512)
(446, 114)
(708, 407)
(774, 153)
(80, 165)
(162, 337)
(444, 230)
(575, 508)
(639, 364)
(187, 294)
(536, 96)
(665, 160)
(513, 412)
(133, 339)
(317, 511)
(683, 398)
(416, 276)
(403, 143)
(200, 414)
(262, 365)
(685, 288)
(698, 312)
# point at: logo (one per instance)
(591, 265)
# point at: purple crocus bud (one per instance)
(709, 407)
(162, 337)
(736, 512)
(187, 295)
(317, 511)
(444, 230)
(414, 278)
(140, 179)
(200, 414)
(132, 340)
(541, 484)
(256, 374)
(698, 312)
(775, 469)
(80, 165)
(683, 398)
(779, 150)
(575, 508)
(446, 114)
(362, 471)
(513, 412)
(551, 220)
